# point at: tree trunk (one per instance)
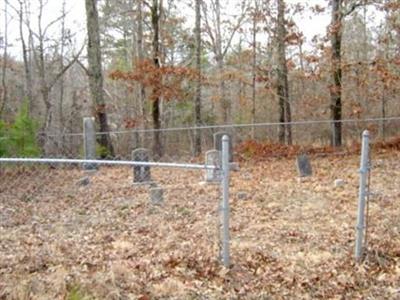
(157, 143)
(28, 90)
(62, 84)
(285, 131)
(225, 105)
(96, 76)
(197, 105)
(386, 56)
(336, 88)
(364, 65)
(253, 69)
(5, 59)
(44, 90)
(140, 52)
(41, 65)
(301, 60)
(214, 30)
(39, 59)
(383, 115)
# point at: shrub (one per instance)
(22, 135)
(3, 139)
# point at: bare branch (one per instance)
(208, 28)
(66, 67)
(83, 67)
(53, 22)
(356, 5)
(234, 30)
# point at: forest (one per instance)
(143, 66)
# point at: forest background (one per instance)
(143, 66)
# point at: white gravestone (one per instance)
(213, 158)
(141, 174)
(89, 145)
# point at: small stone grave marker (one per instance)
(213, 158)
(243, 195)
(141, 174)
(157, 195)
(83, 181)
(339, 183)
(218, 143)
(304, 166)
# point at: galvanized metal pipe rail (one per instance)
(108, 162)
(224, 167)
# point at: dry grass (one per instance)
(290, 239)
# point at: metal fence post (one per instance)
(364, 169)
(225, 201)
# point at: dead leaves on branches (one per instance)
(166, 81)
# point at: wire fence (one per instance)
(142, 227)
(85, 212)
(178, 144)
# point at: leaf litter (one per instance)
(289, 239)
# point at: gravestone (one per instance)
(213, 158)
(339, 183)
(218, 143)
(243, 195)
(83, 181)
(157, 195)
(89, 143)
(304, 166)
(141, 174)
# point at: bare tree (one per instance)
(37, 42)
(336, 88)
(339, 12)
(140, 54)
(197, 105)
(155, 23)
(388, 36)
(219, 45)
(255, 20)
(28, 83)
(96, 75)
(285, 131)
(61, 67)
(5, 59)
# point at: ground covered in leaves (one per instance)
(291, 238)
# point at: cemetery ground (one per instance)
(291, 238)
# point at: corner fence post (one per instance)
(225, 201)
(364, 169)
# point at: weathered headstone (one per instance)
(141, 174)
(213, 158)
(83, 181)
(218, 143)
(89, 143)
(234, 166)
(157, 195)
(243, 195)
(304, 166)
(339, 183)
(247, 176)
